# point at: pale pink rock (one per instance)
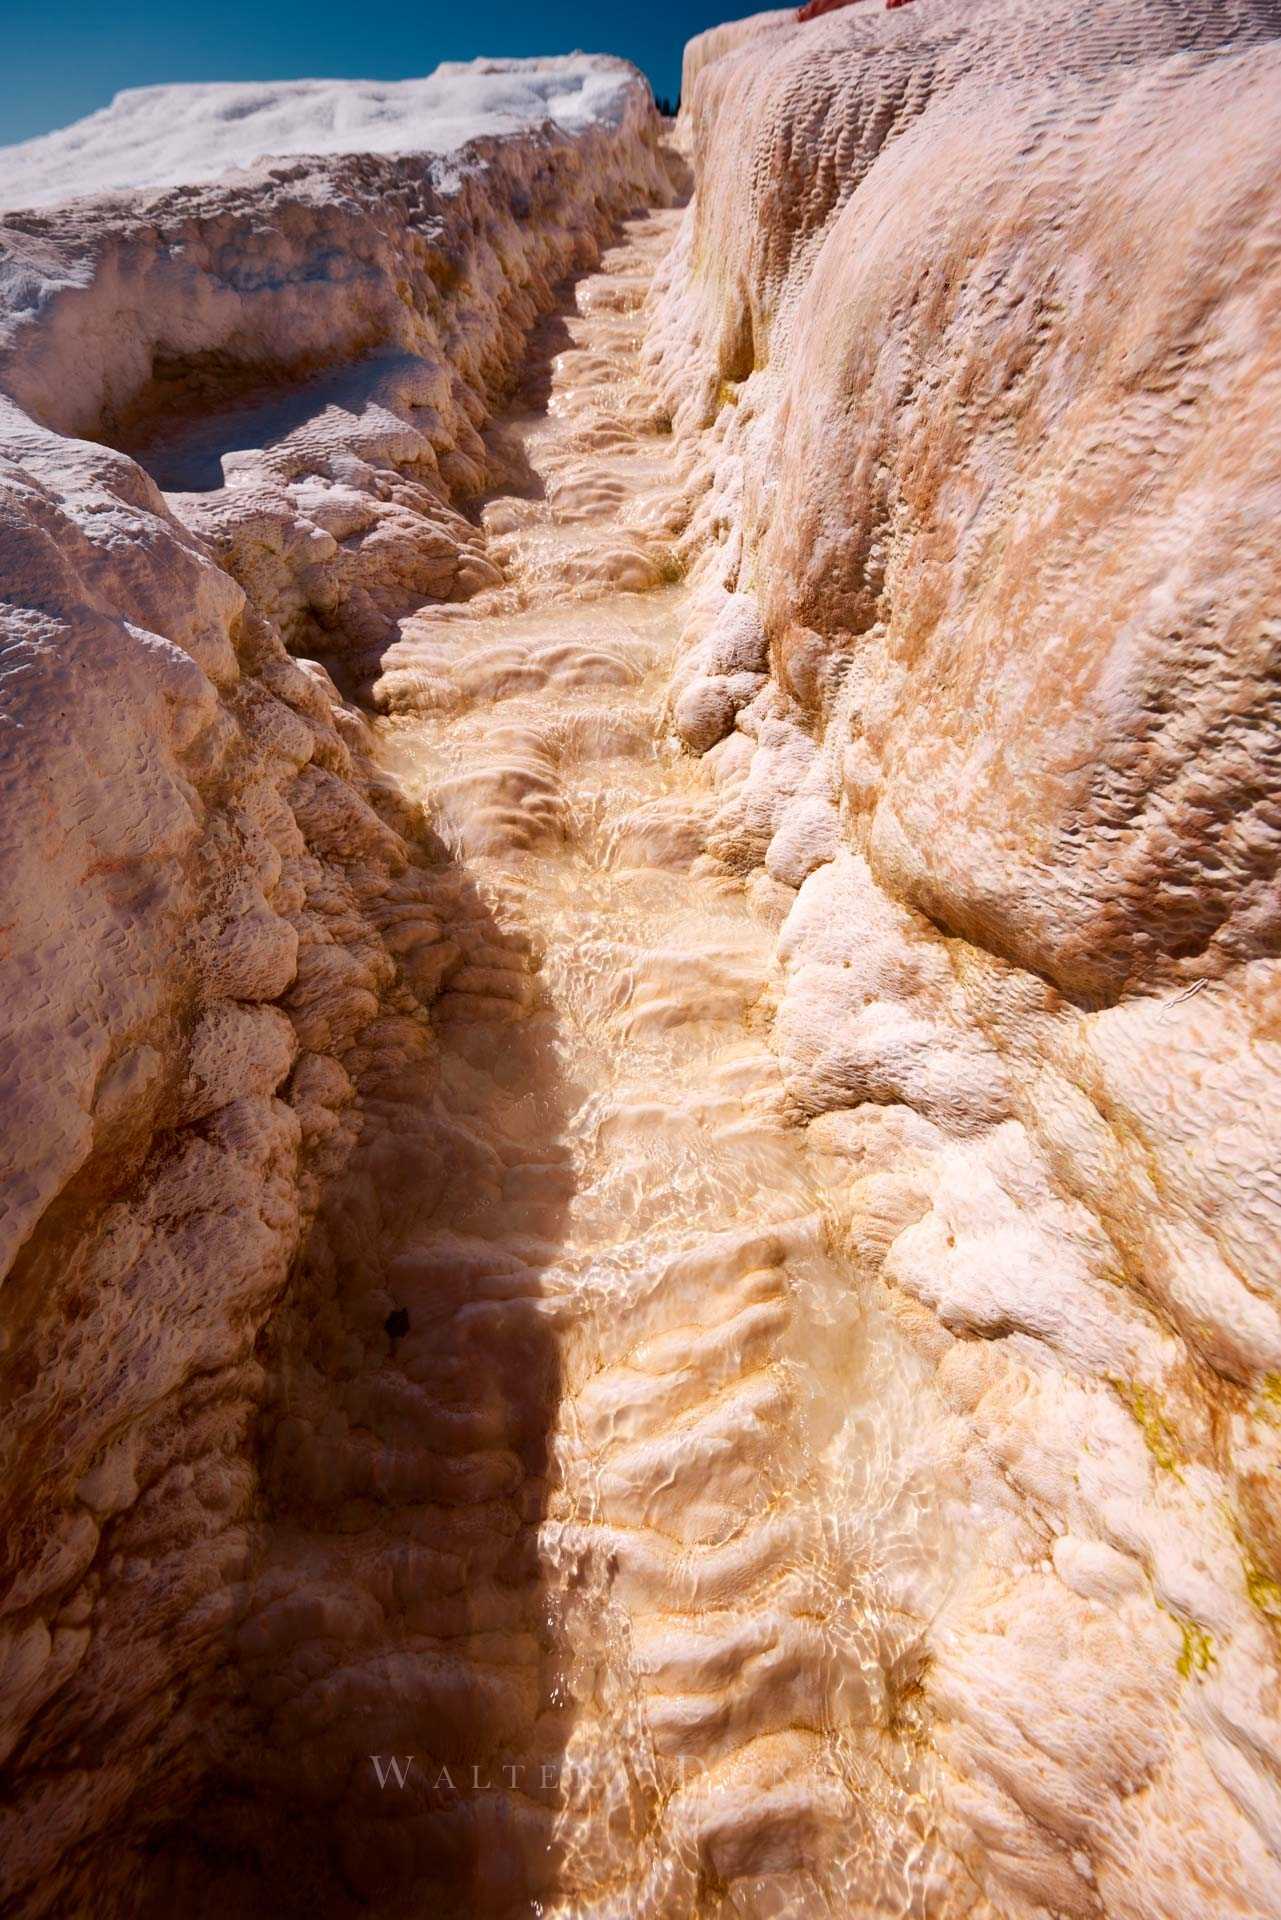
(970, 347)
(205, 873)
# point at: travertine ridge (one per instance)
(223, 926)
(974, 319)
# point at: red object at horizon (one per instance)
(814, 9)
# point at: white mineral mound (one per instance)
(163, 136)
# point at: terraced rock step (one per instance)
(688, 1647)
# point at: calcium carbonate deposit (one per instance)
(642, 1056)
(165, 136)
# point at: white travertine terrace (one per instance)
(167, 136)
(643, 1073)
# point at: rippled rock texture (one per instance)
(974, 324)
(222, 932)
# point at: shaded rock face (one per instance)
(223, 930)
(972, 339)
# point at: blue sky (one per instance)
(63, 58)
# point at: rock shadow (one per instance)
(192, 412)
(394, 1742)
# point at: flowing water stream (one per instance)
(713, 1712)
